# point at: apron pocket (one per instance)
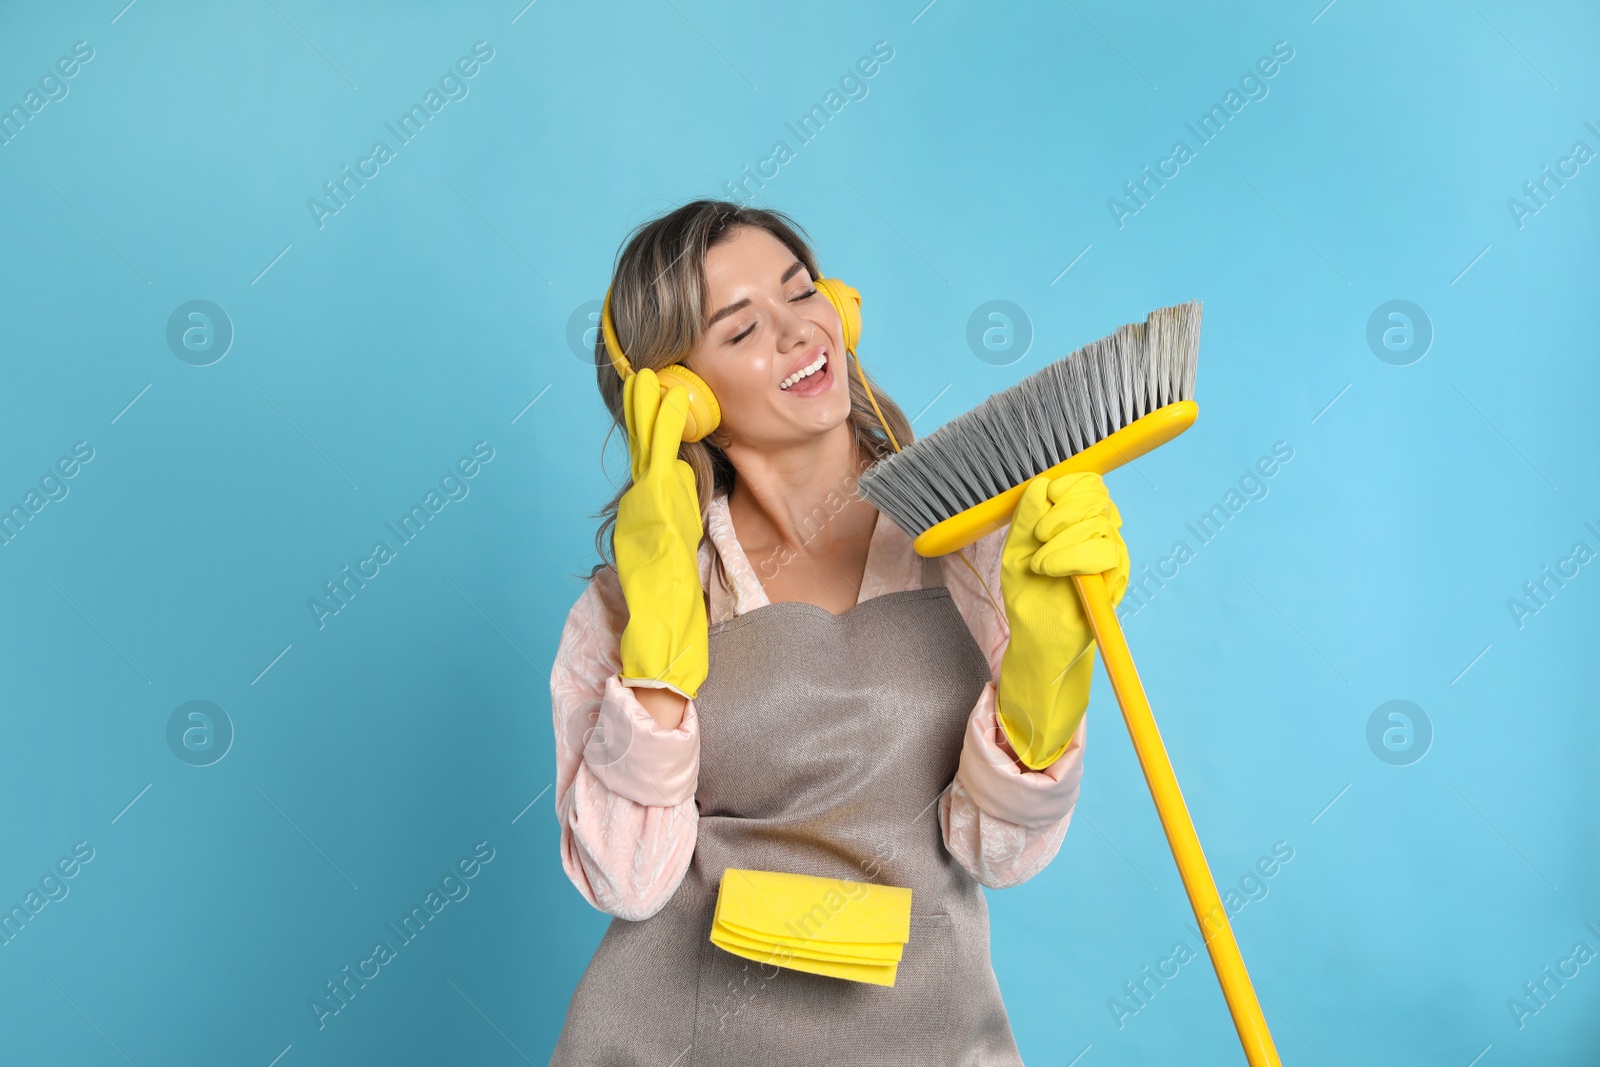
(754, 1013)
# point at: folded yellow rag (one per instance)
(830, 926)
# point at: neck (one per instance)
(802, 496)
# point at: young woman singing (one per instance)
(769, 678)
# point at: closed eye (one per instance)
(807, 295)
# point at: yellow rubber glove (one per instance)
(657, 538)
(1063, 526)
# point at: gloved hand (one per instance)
(657, 538)
(1063, 526)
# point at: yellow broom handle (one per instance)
(1197, 881)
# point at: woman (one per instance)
(770, 678)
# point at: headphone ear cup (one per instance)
(847, 302)
(704, 412)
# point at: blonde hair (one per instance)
(658, 307)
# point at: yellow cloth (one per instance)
(884, 951)
(883, 954)
(830, 926)
(874, 973)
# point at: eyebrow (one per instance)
(736, 305)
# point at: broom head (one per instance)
(1094, 410)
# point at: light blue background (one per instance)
(372, 754)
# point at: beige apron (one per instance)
(825, 742)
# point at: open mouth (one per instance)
(810, 379)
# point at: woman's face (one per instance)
(766, 323)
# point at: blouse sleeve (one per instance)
(1002, 821)
(624, 784)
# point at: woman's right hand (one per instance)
(657, 538)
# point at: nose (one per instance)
(793, 325)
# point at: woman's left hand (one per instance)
(1072, 526)
(1063, 526)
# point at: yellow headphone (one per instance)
(704, 412)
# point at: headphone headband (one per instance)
(609, 332)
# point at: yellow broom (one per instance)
(1094, 410)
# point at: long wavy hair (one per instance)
(658, 306)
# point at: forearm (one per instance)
(1001, 821)
(664, 706)
(625, 780)
(625, 858)
(1043, 691)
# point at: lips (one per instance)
(808, 359)
(814, 383)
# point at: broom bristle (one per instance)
(1027, 428)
